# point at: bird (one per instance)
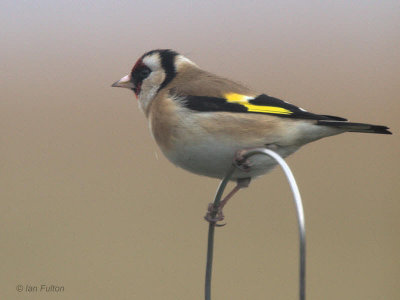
(202, 122)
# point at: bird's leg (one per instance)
(240, 184)
(217, 211)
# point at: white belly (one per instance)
(214, 158)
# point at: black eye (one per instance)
(144, 73)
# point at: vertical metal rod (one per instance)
(300, 219)
(211, 230)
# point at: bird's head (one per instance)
(152, 72)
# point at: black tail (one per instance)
(356, 127)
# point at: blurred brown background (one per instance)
(88, 202)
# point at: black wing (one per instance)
(262, 104)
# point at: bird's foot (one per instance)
(241, 161)
(214, 214)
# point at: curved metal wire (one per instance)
(300, 218)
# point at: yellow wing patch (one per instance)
(244, 100)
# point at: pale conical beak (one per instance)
(124, 82)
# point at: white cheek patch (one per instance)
(150, 88)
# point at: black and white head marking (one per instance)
(152, 72)
(167, 59)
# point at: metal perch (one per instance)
(300, 219)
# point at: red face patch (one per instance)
(137, 64)
(139, 72)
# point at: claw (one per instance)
(214, 213)
(241, 162)
(218, 215)
(239, 158)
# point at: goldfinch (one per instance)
(200, 120)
